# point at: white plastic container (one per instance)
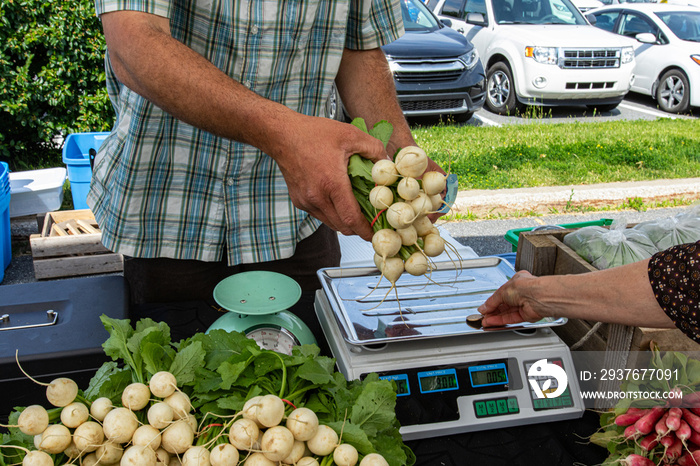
(36, 191)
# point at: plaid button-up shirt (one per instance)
(162, 188)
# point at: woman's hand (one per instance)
(512, 303)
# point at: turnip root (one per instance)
(119, 425)
(302, 423)
(434, 183)
(196, 456)
(386, 243)
(411, 161)
(33, 420)
(417, 264)
(88, 436)
(436, 202)
(55, 439)
(381, 197)
(408, 188)
(136, 396)
(138, 455)
(174, 461)
(277, 443)
(384, 172)
(250, 409)
(400, 215)
(244, 434)
(74, 414)
(148, 436)
(180, 403)
(162, 457)
(160, 415)
(89, 460)
(270, 410)
(100, 407)
(307, 461)
(345, 455)
(109, 452)
(224, 454)
(324, 442)
(422, 205)
(392, 270)
(72, 450)
(297, 453)
(61, 392)
(162, 384)
(374, 459)
(408, 235)
(258, 459)
(177, 437)
(423, 226)
(433, 245)
(37, 458)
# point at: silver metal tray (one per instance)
(368, 311)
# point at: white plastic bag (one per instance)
(606, 248)
(670, 231)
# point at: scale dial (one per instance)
(272, 337)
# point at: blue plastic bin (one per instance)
(76, 156)
(5, 232)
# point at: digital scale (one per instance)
(450, 377)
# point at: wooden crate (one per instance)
(70, 245)
(544, 253)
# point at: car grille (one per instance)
(590, 58)
(408, 71)
(428, 105)
(588, 86)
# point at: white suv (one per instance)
(542, 52)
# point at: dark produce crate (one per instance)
(71, 346)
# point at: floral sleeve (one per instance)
(675, 280)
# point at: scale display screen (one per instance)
(488, 375)
(402, 386)
(438, 381)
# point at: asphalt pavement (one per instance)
(514, 209)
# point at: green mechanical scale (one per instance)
(258, 303)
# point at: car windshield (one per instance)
(417, 17)
(684, 24)
(536, 12)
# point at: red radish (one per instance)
(674, 451)
(648, 442)
(636, 460)
(668, 440)
(683, 432)
(691, 400)
(694, 437)
(673, 422)
(629, 418)
(646, 423)
(690, 459)
(631, 432)
(675, 397)
(660, 426)
(692, 419)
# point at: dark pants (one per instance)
(179, 292)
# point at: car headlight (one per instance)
(470, 59)
(627, 55)
(546, 55)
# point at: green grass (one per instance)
(542, 154)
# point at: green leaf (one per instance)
(360, 123)
(382, 130)
(100, 378)
(186, 362)
(354, 435)
(693, 372)
(374, 409)
(230, 373)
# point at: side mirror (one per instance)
(646, 38)
(446, 22)
(591, 19)
(477, 19)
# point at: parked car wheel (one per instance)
(334, 106)
(500, 90)
(673, 93)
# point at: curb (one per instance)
(547, 198)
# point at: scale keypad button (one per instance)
(491, 407)
(480, 408)
(502, 406)
(513, 405)
(496, 407)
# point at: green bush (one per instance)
(52, 79)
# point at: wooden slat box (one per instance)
(70, 245)
(544, 253)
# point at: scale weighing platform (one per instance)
(451, 378)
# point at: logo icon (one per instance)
(547, 371)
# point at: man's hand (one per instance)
(510, 304)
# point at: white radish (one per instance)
(138, 455)
(61, 392)
(120, 424)
(100, 407)
(324, 442)
(109, 452)
(55, 439)
(244, 434)
(180, 403)
(384, 172)
(270, 410)
(196, 456)
(277, 443)
(37, 458)
(72, 450)
(400, 215)
(224, 454)
(345, 455)
(436, 201)
(408, 235)
(423, 226)
(136, 396)
(374, 459)
(177, 437)
(174, 461)
(307, 461)
(433, 245)
(33, 420)
(378, 261)
(162, 457)
(148, 436)
(258, 459)
(250, 409)
(302, 423)
(192, 421)
(74, 414)
(160, 415)
(408, 188)
(421, 205)
(381, 197)
(416, 264)
(88, 436)
(386, 243)
(162, 384)
(297, 453)
(434, 182)
(89, 460)
(411, 161)
(392, 269)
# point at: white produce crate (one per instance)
(36, 191)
